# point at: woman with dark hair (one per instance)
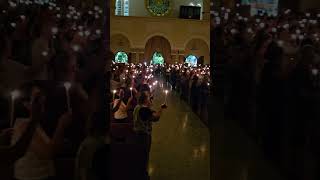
(120, 108)
(10, 154)
(37, 163)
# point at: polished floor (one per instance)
(180, 144)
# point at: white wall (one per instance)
(138, 8)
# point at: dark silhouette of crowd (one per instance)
(53, 103)
(193, 84)
(271, 83)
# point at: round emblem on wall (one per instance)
(159, 7)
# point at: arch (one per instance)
(148, 37)
(120, 42)
(199, 48)
(207, 41)
(158, 44)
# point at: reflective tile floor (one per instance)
(180, 144)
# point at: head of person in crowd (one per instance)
(307, 56)
(145, 99)
(274, 54)
(31, 92)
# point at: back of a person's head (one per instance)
(307, 55)
(143, 97)
(273, 53)
(307, 41)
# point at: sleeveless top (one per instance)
(31, 166)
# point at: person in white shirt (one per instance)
(120, 108)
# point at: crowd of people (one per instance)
(271, 81)
(133, 88)
(52, 91)
(193, 83)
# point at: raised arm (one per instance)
(157, 114)
(12, 153)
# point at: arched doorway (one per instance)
(158, 45)
(120, 46)
(200, 49)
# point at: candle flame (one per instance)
(15, 94)
(67, 85)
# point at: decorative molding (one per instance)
(159, 3)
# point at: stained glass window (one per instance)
(157, 58)
(118, 10)
(191, 60)
(121, 57)
(126, 8)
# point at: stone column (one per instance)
(112, 7)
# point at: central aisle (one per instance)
(180, 142)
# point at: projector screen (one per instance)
(262, 6)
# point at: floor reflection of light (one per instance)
(151, 170)
(203, 149)
(184, 123)
(195, 153)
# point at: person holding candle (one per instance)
(120, 108)
(10, 154)
(143, 117)
(37, 163)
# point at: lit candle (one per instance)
(114, 93)
(67, 86)
(14, 95)
(131, 91)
